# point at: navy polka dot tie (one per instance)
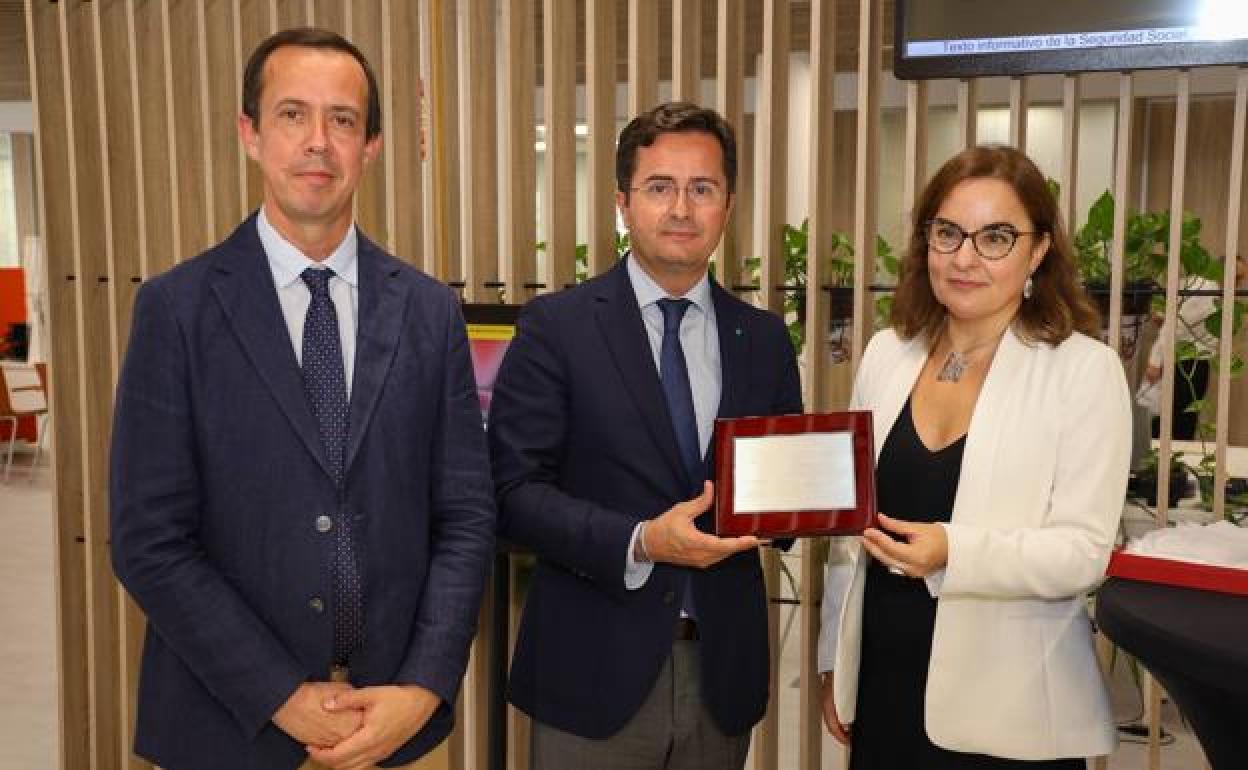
(674, 376)
(325, 381)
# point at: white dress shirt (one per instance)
(699, 338)
(288, 263)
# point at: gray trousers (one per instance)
(672, 731)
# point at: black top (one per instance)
(916, 484)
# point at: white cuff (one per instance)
(635, 573)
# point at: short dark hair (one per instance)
(306, 37)
(673, 118)
(1058, 305)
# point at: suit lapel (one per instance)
(734, 352)
(619, 321)
(243, 285)
(381, 310)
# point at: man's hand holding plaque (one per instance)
(795, 475)
(672, 538)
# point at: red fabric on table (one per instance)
(1151, 569)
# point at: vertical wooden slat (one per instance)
(866, 171)
(1234, 210)
(444, 152)
(290, 13)
(159, 205)
(968, 111)
(170, 83)
(93, 245)
(207, 138)
(914, 167)
(479, 172)
(362, 25)
(730, 101)
(187, 102)
(329, 14)
(771, 187)
(219, 61)
(256, 21)
(402, 105)
(520, 170)
(1018, 112)
(1182, 109)
(643, 55)
(600, 73)
(1122, 181)
(240, 55)
(687, 50)
(820, 182)
(122, 125)
(1071, 94)
(49, 93)
(773, 128)
(559, 106)
(25, 197)
(478, 125)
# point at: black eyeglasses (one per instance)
(992, 242)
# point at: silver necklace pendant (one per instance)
(955, 366)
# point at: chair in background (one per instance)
(23, 395)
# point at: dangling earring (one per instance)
(1028, 285)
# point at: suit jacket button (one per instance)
(324, 523)
(669, 597)
(317, 604)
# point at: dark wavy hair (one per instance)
(673, 118)
(1058, 305)
(306, 37)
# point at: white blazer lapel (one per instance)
(988, 422)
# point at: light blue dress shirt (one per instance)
(287, 264)
(699, 338)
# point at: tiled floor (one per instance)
(29, 715)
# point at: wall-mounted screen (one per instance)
(975, 38)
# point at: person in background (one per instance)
(956, 634)
(301, 498)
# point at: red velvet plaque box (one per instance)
(795, 475)
(1226, 580)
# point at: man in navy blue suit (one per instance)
(300, 488)
(644, 638)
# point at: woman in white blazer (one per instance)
(956, 635)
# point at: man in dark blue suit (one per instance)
(300, 489)
(644, 638)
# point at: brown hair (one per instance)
(1058, 305)
(672, 118)
(306, 37)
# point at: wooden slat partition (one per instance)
(730, 102)
(56, 170)
(1234, 210)
(600, 75)
(520, 216)
(914, 169)
(968, 111)
(772, 124)
(1071, 90)
(643, 55)
(1018, 112)
(687, 50)
(478, 126)
(822, 188)
(866, 171)
(1122, 182)
(559, 102)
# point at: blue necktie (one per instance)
(674, 375)
(325, 381)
